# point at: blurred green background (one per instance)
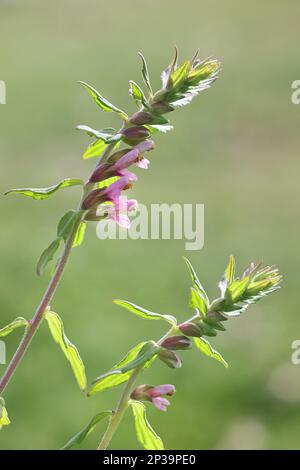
(235, 149)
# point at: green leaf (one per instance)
(95, 149)
(44, 193)
(17, 323)
(198, 301)
(196, 283)
(144, 432)
(4, 419)
(164, 128)
(145, 73)
(142, 312)
(81, 435)
(70, 351)
(137, 93)
(117, 375)
(79, 237)
(149, 349)
(103, 134)
(230, 270)
(47, 256)
(180, 74)
(236, 290)
(103, 102)
(66, 224)
(208, 350)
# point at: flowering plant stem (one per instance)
(118, 414)
(34, 323)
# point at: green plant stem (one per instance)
(119, 412)
(124, 400)
(35, 322)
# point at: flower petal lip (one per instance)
(166, 389)
(160, 403)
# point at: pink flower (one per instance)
(160, 403)
(154, 394)
(111, 193)
(119, 209)
(121, 160)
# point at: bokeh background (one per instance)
(235, 149)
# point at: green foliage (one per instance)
(145, 73)
(196, 283)
(66, 224)
(144, 431)
(47, 256)
(204, 346)
(103, 102)
(81, 435)
(142, 312)
(70, 351)
(44, 193)
(4, 419)
(140, 355)
(137, 93)
(17, 323)
(79, 237)
(95, 149)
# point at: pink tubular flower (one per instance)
(124, 159)
(119, 209)
(111, 193)
(154, 394)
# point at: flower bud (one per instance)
(177, 342)
(141, 393)
(134, 135)
(94, 197)
(191, 329)
(216, 316)
(170, 358)
(154, 394)
(161, 107)
(141, 117)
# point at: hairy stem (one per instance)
(124, 400)
(34, 323)
(119, 412)
(38, 316)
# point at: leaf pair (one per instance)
(144, 431)
(139, 356)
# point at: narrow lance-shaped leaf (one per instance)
(79, 237)
(4, 419)
(121, 372)
(66, 224)
(17, 323)
(47, 256)
(142, 312)
(44, 193)
(145, 73)
(103, 102)
(198, 301)
(144, 431)
(206, 348)
(70, 351)
(103, 134)
(81, 435)
(95, 149)
(137, 93)
(196, 281)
